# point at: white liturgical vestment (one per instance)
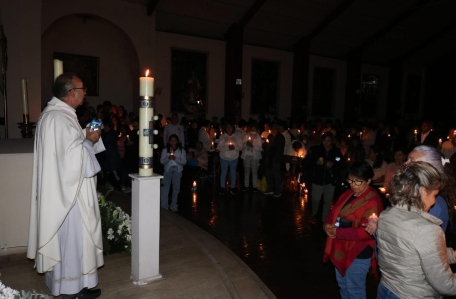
(59, 185)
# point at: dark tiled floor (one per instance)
(272, 236)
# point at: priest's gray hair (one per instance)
(63, 85)
(430, 155)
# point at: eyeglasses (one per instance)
(356, 183)
(84, 88)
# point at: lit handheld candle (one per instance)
(389, 135)
(194, 186)
(373, 216)
(128, 137)
(269, 131)
(348, 160)
(440, 141)
(361, 134)
(146, 86)
(171, 153)
(299, 131)
(250, 138)
(382, 190)
(349, 136)
(267, 140)
(415, 132)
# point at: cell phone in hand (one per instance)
(95, 125)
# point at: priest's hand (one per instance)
(93, 136)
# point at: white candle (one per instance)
(24, 97)
(146, 86)
(58, 68)
(146, 113)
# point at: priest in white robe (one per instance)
(65, 237)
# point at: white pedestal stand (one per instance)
(145, 239)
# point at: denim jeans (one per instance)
(224, 165)
(174, 176)
(353, 284)
(384, 293)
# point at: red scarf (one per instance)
(350, 242)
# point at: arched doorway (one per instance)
(90, 35)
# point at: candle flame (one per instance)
(194, 183)
(147, 73)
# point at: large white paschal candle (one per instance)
(58, 68)
(146, 114)
(146, 86)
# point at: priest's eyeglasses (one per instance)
(356, 183)
(84, 88)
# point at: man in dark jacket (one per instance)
(326, 161)
(273, 153)
(427, 136)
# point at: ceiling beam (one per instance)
(399, 19)
(431, 39)
(251, 12)
(151, 7)
(304, 41)
(335, 14)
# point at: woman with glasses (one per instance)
(413, 257)
(348, 246)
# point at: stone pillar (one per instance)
(393, 104)
(233, 71)
(145, 239)
(353, 85)
(300, 89)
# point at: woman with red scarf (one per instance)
(348, 246)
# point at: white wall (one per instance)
(22, 23)
(132, 26)
(26, 20)
(15, 199)
(215, 70)
(340, 67)
(119, 65)
(285, 60)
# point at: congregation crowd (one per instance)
(388, 191)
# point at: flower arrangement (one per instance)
(116, 227)
(9, 293)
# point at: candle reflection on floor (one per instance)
(194, 198)
(274, 237)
